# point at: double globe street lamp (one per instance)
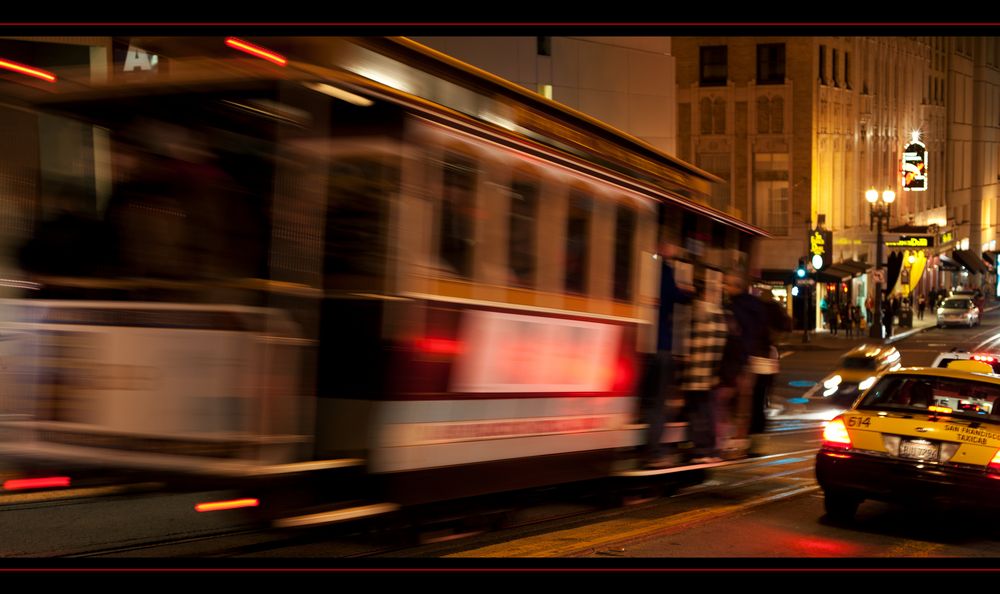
(880, 209)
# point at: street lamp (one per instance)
(880, 209)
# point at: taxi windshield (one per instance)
(949, 396)
(858, 363)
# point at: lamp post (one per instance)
(880, 209)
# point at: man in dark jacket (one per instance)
(659, 382)
(751, 318)
(778, 321)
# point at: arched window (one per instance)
(777, 115)
(763, 115)
(706, 115)
(719, 116)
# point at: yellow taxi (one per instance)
(919, 434)
(857, 371)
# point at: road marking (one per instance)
(586, 540)
(987, 341)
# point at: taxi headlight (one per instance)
(832, 382)
(867, 383)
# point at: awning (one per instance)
(833, 274)
(855, 266)
(971, 261)
(946, 263)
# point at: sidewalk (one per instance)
(822, 340)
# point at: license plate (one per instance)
(918, 449)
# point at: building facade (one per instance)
(803, 127)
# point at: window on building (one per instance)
(521, 245)
(544, 46)
(770, 63)
(712, 115)
(847, 70)
(705, 115)
(578, 242)
(777, 115)
(625, 221)
(719, 116)
(457, 218)
(836, 67)
(763, 115)
(771, 192)
(714, 65)
(822, 64)
(718, 164)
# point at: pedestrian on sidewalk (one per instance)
(887, 317)
(921, 306)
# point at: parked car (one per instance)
(958, 311)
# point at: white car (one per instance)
(957, 311)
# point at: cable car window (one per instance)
(578, 242)
(624, 238)
(457, 231)
(523, 219)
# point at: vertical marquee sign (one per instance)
(820, 248)
(915, 167)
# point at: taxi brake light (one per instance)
(994, 465)
(835, 434)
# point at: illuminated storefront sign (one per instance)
(947, 237)
(907, 241)
(915, 167)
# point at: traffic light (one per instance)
(800, 271)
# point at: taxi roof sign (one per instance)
(971, 365)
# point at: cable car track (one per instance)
(738, 485)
